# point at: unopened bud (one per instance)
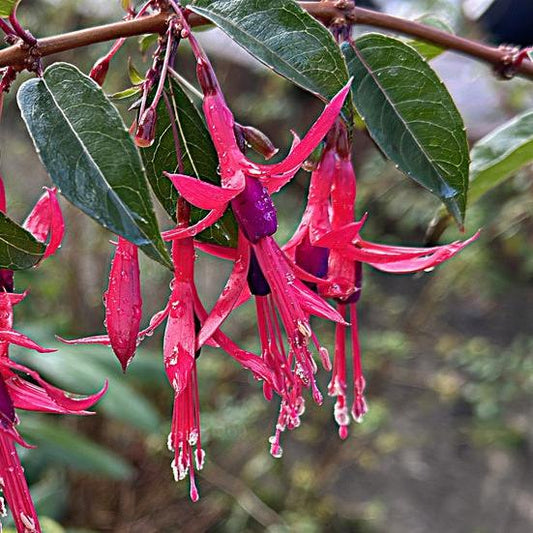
(145, 134)
(257, 140)
(344, 146)
(99, 70)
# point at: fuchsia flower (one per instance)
(31, 392)
(185, 313)
(260, 266)
(34, 394)
(123, 303)
(328, 245)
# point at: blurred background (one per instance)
(447, 443)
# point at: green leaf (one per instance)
(284, 37)
(145, 41)
(90, 155)
(7, 7)
(411, 116)
(19, 249)
(500, 154)
(136, 77)
(63, 446)
(429, 50)
(126, 93)
(199, 159)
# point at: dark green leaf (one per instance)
(64, 446)
(198, 155)
(411, 116)
(429, 50)
(19, 249)
(500, 154)
(7, 7)
(285, 38)
(90, 155)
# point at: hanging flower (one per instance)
(328, 235)
(123, 303)
(23, 388)
(247, 187)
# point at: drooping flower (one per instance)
(123, 303)
(29, 393)
(329, 233)
(287, 301)
(185, 314)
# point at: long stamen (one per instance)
(337, 386)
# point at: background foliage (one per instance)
(447, 442)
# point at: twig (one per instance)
(337, 11)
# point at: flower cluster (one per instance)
(290, 283)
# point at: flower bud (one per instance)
(99, 70)
(145, 134)
(257, 140)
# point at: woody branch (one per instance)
(329, 11)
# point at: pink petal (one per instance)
(201, 194)
(315, 305)
(46, 220)
(14, 337)
(64, 401)
(231, 292)
(315, 134)
(191, 231)
(216, 250)
(417, 264)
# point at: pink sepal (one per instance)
(407, 266)
(216, 250)
(14, 337)
(276, 183)
(202, 194)
(65, 402)
(46, 221)
(191, 231)
(248, 360)
(317, 132)
(8, 428)
(315, 305)
(97, 339)
(339, 238)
